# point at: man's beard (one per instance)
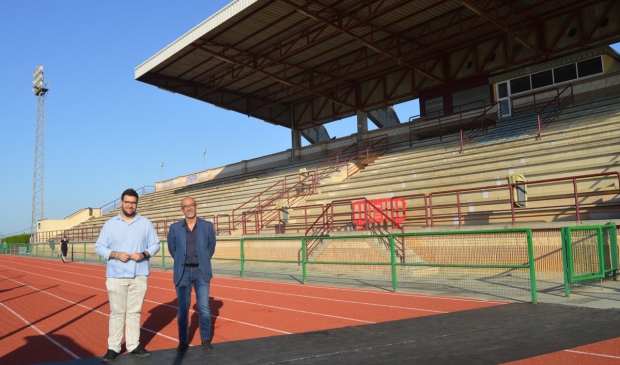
(128, 214)
(192, 217)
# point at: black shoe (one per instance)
(207, 345)
(182, 347)
(109, 356)
(140, 352)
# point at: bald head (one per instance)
(188, 207)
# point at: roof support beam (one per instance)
(370, 45)
(275, 77)
(499, 23)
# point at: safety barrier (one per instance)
(589, 252)
(499, 263)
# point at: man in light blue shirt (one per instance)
(127, 241)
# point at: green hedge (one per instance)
(20, 238)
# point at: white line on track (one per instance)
(41, 332)
(150, 301)
(85, 307)
(592, 354)
(253, 303)
(308, 296)
(332, 299)
(363, 291)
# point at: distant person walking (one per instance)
(127, 241)
(191, 243)
(64, 247)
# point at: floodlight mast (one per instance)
(40, 89)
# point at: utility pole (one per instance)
(40, 89)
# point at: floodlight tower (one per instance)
(40, 89)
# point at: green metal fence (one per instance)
(498, 263)
(589, 253)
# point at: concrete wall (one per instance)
(69, 222)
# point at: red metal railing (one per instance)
(558, 104)
(281, 190)
(341, 211)
(505, 205)
(106, 208)
(480, 124)
(254, 222)
(366, 147)
(445, 122)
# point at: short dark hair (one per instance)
(129, 192)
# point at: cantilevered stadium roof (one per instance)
(299, 63)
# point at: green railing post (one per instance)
(393, 262)
(565, 252)
(84, 252)
(303, 260)
(613, 242)
(530, 252)
(242, 257)
(601, 251)
(163, 255)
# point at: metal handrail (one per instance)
(512, 200)
(556, 111)
(146, 189)
(480, 118)
(443, 116)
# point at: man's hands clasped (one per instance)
(124, 256)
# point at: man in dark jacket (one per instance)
(191, 243)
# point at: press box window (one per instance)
(565, 73)
(542, 79)
(520, 85)
(590, 67)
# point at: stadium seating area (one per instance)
(581, 142)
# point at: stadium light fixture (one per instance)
(204, 158)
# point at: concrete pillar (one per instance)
(295, 144)
(362, 125)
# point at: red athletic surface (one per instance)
(69, 304)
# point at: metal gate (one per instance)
(589, 252)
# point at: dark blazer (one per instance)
(205, 245)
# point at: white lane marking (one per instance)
(288, 294)
(592, 353)
(246, 302)
(363, 291)
(41, 332)
(85, 307)
(275, 307)
(332, 299)
(150, 301)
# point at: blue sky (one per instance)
(105, 131)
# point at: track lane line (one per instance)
(592, 354)
(85, 307)
(300, 295)
(283, 308)
(150, 301)
(251, 303)
(41, 332)
(364, 291)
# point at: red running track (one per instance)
(50, 311)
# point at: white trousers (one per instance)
(126, 297)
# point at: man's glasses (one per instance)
(187, 206)
(130, 203)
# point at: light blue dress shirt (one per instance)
(137, 236)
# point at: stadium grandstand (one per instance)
(516, 141)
